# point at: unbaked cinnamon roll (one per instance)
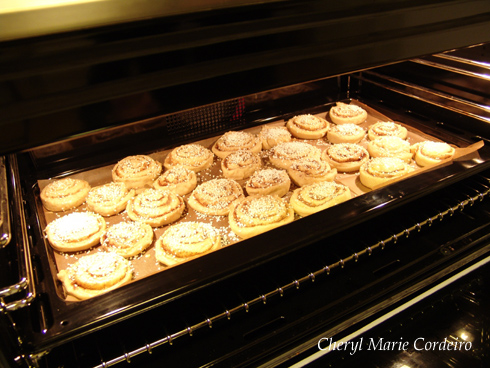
(257, 214)
(177, 179)
(431, 153)
(272, 136)
(240, 165)
(136, 172)
(387, 128)
(156, 207)
(345, 157)
(269, 181)
(284, 154)
(318, 196)
(379, 170)
(346, 133)
(192, 156)
(215, 197)
(64, 194)
(76, 231)
(186, 240)
(308, 126)
(389, 146)
(309, 171)
(236, 141)
(95, 274)
(127, 238)
(109, 199)
(343, 113)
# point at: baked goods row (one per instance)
(254, 182)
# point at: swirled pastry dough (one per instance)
(269, 181)
(240, 165)
(284, 154)
(343, 113)
(257, 214)
(186, 240)
(216, 196)
(308, 126)
(345, 157)
(156, 207)
(177, 179)
(430, 153)
(127, 238)
(389, 146)
(318, 196)
(95, 274)
(64, 194)
(192, 156)
(272, 136)
(235, 141)
(387, 128)
(109, 199)
(379, 170)
(309, 171)
(346, 133)
(138, 171)
(76, 231)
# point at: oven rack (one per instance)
(477, 195)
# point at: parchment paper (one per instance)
(146, 264)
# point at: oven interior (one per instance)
(269, 298)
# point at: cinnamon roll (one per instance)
(308, 126)
(235, 141)
(215, 197)
(156, 207)
(379, 170)
(192, 156)
(309, 171)
(272, 136)
(430, 153)
(284, 154)
(177, 179)
(269, 181)
(186, 240)
(76, 231)
(95, 274)
(387, 128)
(109, 199)
(127, 239)
(257, 214)
(318, 196)
(138, 171)
(389, 146)
(240, 165)
(346, 133)
(345, 157)
(64, 194)
(343, 113)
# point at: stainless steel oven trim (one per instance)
(5, 229)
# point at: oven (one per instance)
(395, 276)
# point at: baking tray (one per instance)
(146, 264)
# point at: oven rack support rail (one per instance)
(437, 98)
(478, 196)
(25, 287)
